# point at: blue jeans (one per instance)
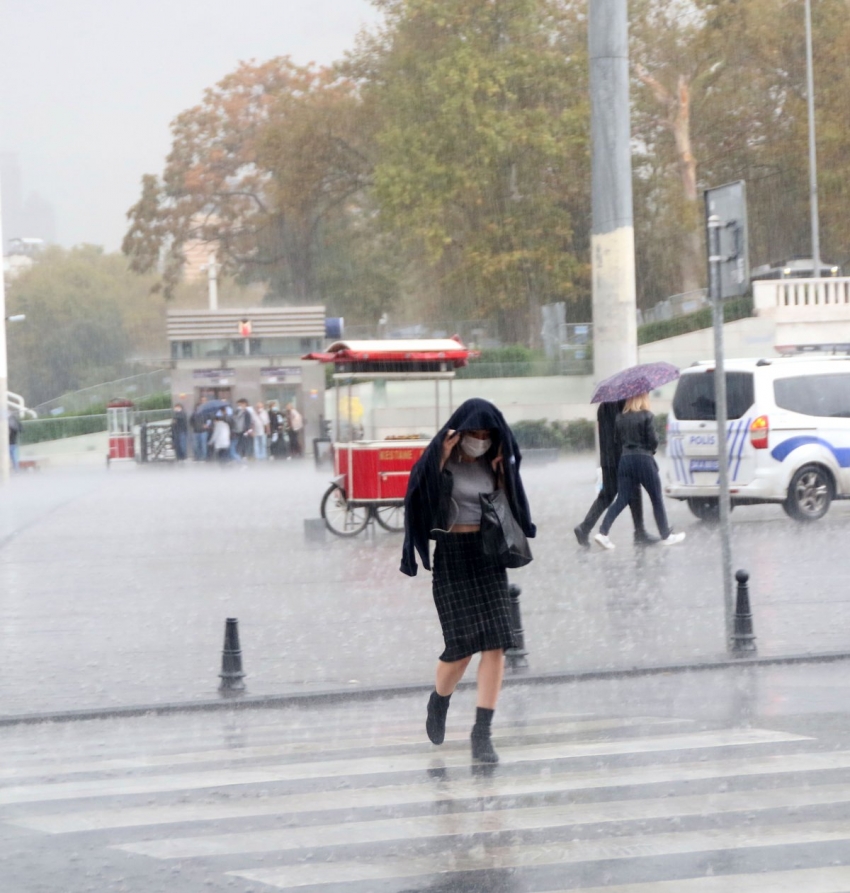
(199, 445)
(260, 446)
(13, 456)
(637, 470)
(181, 445)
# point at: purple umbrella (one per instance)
(633, 381)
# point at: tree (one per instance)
(720, 95)
(87, 317)
(268, 156)
(482, 160)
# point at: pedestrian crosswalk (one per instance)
(355, 800)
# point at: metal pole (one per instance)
(813, 159)
(4, 379)
(436, 405)
(212, 281)
(714, 261)
(612, 242)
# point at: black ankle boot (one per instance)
(435, 724)
(482, 747)
(482, 744)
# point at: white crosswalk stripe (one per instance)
(353, 807)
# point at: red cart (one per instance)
(370, 476)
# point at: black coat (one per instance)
(609, 446)
(427, 485)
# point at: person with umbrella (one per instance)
(613, 394)
(638, 441)
(609, 460)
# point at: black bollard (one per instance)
(516, 658)
(231, 674)
(743, 639)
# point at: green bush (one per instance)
(160, 400)
(537, 435)
(739, 308)
(510, 361)
(38, 430)
(573, 436)
(578, 434)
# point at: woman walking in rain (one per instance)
(638, 442)
(474, 453)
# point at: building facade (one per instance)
(253, 353)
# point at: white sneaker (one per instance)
(604, 541)
(673, 539)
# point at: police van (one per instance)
(787, 440)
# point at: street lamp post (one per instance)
(4, 377)
(813, 159)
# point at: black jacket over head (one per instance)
(609, 447)
(427, 483)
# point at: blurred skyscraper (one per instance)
(25, 216)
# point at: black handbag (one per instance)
(501, 535)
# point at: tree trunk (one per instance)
(678, 120)
(690, 262)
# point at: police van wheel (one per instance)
(809, 494)
(705, 508)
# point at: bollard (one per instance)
(231, 674)
(516, 658)
(743, 640)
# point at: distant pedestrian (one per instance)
(240, 425)
(201, 425)
(296, 430)
(474, 453)
(638, 442)
(278, 440)
(260, 430)
(14, 432)
(609, 460)
(180, 432)
(220, 438)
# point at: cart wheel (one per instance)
(390, 517)
(340, 518)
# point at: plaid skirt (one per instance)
(471, 595)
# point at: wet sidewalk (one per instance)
(115, 586)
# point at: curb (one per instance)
(308, 699)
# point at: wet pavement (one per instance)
(114, 589)
(115, 586)
(730, 781)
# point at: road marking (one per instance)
(488, 822)
(419, 762)
(296, 749)
(435, 791)
(484, 858)
(805, 880)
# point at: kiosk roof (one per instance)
(416, 350)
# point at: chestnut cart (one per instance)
(370, 476)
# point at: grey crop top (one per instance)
(468, 480)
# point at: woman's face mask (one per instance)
(474, 446)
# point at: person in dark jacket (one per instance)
(475, 452)
(638, 442)
(609, 459)
(14, 432)
(201, 426)
(180, 432)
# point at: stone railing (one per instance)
(807, 312)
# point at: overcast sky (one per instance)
(89, 87)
